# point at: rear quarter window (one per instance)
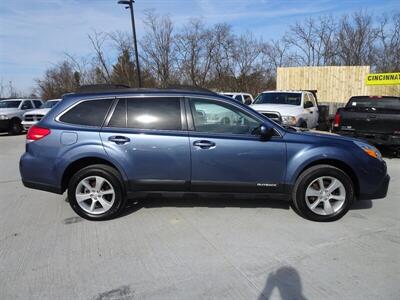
(88, 113)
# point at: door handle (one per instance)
(203, 144)
(311, 112)
(118, 139)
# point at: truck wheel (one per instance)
(303, 124)
(15, 127)
(323, 193)
(96, 193)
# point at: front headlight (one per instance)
(368, 149)
(3, 117)
(289, 120)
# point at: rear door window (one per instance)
(88, 113)
(154, 113)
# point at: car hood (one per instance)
(324, 134)
(283, 109)
(9, 111)
(40, 111)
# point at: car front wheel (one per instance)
(96, 193)
(323, 193)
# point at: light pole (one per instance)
(130, 6)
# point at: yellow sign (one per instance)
(383, 79)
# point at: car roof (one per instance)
(286, 91)
(235, 93)
(141, 91)
(19, 99)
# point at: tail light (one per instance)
(336, 122)
(36, 133)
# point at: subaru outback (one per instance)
(105, 147)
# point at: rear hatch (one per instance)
(372, 115)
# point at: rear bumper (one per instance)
(380, 192)
(42, 187)
(373, 138)
(36, 174)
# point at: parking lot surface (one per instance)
(193, 249)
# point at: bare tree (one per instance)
(195, 46)
(97, 39)
(158, 51)
(58, 80)
(388, 52)
(356, 40)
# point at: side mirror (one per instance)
(265, 132)
(247, 101)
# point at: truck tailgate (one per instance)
(385, 123)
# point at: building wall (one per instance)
(334, 85)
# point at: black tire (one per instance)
(303, 124)
(15, 127)
(113, 177)
(307, 177)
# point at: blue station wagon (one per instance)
(109, 145)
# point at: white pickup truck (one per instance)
(292, 108)
(245, 98)
(31, 117)
(12, 111)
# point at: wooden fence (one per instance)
(334, 85)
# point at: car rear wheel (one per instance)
(96, 193)
(323, 193)
(15, 127)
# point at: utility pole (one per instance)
(129, 4)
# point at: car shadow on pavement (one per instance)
(202, 201)
(288, 282)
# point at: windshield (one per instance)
(367, 103)
(9, 104)
(279, 98)
(49, 104)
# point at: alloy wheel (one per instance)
(325, 195)
(95, 195)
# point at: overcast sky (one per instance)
(34, 34)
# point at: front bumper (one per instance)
(4, 125)
(380, 192)
(28, 124)
(373, 138)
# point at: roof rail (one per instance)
(190, 88)
(100, 87)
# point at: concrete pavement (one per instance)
(193, 249)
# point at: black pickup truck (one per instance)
(372, 118)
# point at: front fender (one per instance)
(299, 160)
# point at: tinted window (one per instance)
(154, 113)
(374, 103)
(89, 113)
(37, 103)
(279, 98)
(27, 105)
(118, 118)
(9, 104)
(215, 117)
